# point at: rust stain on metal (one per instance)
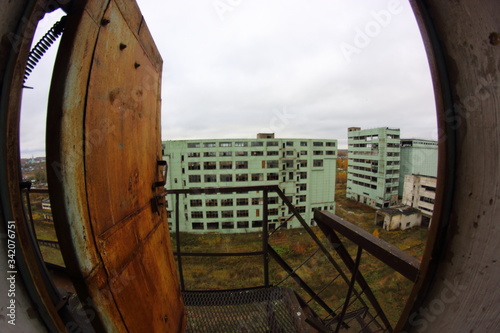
(124, 255)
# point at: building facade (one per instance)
(418, 157)
(373, 168)
(47, 210)
(399, 217)
(419, 192)
(304, 169)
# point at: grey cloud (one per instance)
(226, 78)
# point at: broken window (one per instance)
(226, 178)
(209, 165)
(195, 179)
(317, 163)
(197, 215)
(226, 165)
(194, 166)
(196, 203)
(241, 164)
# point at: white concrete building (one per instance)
(419, 192)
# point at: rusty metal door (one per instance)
(105, 170)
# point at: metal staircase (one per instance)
(306, 307)
(291, 301)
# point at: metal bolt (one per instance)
(494, 38)
(122, 46)
(105, 22)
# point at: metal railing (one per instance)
(345, 270)
(357, 309)
(390, 255)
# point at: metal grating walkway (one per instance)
(270, 310)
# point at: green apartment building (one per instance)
(304, 169)
(373, 168)
(418, 157)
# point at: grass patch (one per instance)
(52, 255)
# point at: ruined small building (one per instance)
(398, 217)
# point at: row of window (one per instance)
(358, 175)
(255, 177)
(410, 143)
(392, 180)
(229, 177)
(357, 182)
(427, 199)
(230, 202)
(270, 164)
(362, 160)
(243, 177)
(373, 145)
(229, 225)
(361, 168)
(259, 153)
(241, 201)
(391, 189)
(369, 137)
(372, 162)
(368, 153)
(428, 188)
(364, 145)
(256, 144)
(425, 208)
(212, 214)
(372, 153)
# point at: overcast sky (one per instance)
(299, 68)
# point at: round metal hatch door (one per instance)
(103, 148)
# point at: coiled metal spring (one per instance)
(43, 45)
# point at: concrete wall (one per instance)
(400, 221)
(420, 192)
(458, 286)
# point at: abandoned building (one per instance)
(418, 157)
(420, 192)
(304, 169)
(397, 217)
(373, 171)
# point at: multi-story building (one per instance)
(47, 210)
(304, 169)
(420, 192)
(418, 157)
(373, 169)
